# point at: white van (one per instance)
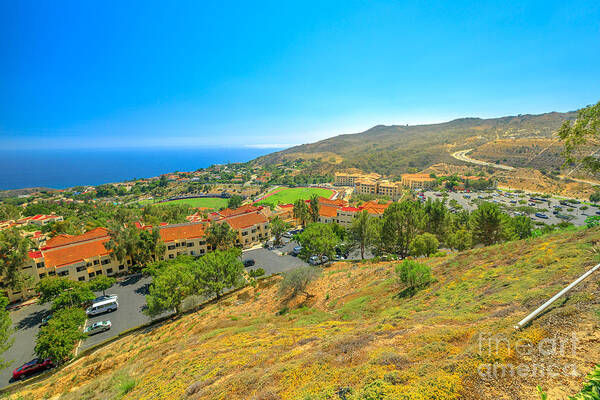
(100, 307)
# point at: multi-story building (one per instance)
(349, 179)
(418, 181)
(188, 238)
(251, 227)
(78, 257)
(382, 188)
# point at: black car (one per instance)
(248, 263)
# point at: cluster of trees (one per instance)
(58, 338)
(142, 246)
(412, 228)
(209, 276)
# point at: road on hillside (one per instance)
(462, 156)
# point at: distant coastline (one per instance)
(59, 169)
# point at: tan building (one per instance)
(349, 179)
(188, 238)
(78, 257)
(382, 188)
(251, 228)
(418, 181)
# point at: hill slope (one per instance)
(357, 338)
(394, 149)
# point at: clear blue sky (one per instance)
(123, 73)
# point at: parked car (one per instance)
(105, 297)
(249, 262)
(100, 307)
(32, 367)
(296, 251)
(540, 215)
(97, 327)
(288, 235)
(316, 260)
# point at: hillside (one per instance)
(391, 150)
(357, 338)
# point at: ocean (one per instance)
(59, 169)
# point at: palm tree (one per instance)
(314, 208)
(124, 241)
(151, 246)
(13, 253)
(301, 212)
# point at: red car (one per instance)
(32, 367)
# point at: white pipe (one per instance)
(557, 296)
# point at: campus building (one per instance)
(382, 188)
(187, 238)
(78, 257)
(418, 181)
(349, 179)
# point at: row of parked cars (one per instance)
(100, 305)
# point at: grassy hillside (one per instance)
(394, 149)
(357, 338)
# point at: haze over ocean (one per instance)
(60, 169)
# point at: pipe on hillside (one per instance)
(557, 296)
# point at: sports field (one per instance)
(208, 202)
(290, 195)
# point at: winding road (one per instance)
(462, 156)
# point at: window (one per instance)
(176, 244)
(202, 251)
(121, 267)
(81, 278)
(171, 247)
(171, 256)
(63, 273)
(89, 264)
(96, 262)
(128, 262)
(109, 271)
(244, 233)
(104, 262)
(42, 275)
(79, 269)
(91, 275)
(190, 244)
(98, 272)
(40, 264)
(52, 273)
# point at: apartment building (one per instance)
(39, 219)
(418, 181)
(382, 188)
(187, 238)
(78, 257)
(251, 227)
(349, 179)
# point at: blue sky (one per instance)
(199, 73)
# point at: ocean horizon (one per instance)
(60, 169)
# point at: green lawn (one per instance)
(209, 202)
(290, 195)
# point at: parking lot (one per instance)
(131, 291)
(509, 201)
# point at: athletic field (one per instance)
(208, 202)
(290, 195)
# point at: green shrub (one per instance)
(255, 273)
(414, 274)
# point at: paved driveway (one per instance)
(26, 322)
(272, 262)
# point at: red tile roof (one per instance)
(337, 202)
(63, 240)
(77, 252)
(170, 233)
(246, 220)
(327, 211)
(228, 212)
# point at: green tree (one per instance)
(424, 245)
(414, 274)
(318, 239)
(51, 286)
(124, 242)
(150, 247)
(218, 271)
(234, 201)
(488, 224)
(401, 223)
(436, 217)
(363, 232)
(580, 136)
(6, 329)
(13, 254)
(461, 239)
(221, 236)
(297, 280)
(278, 228)
(595, 197)
(169, 288)
(77, 296)
(301, 212)
(57, 340)
(101, 283)
(521, 227)
(314, 208)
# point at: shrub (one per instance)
(424, 245)
(414, 274)
(255, 273)
(295, 281)
(57, 340)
